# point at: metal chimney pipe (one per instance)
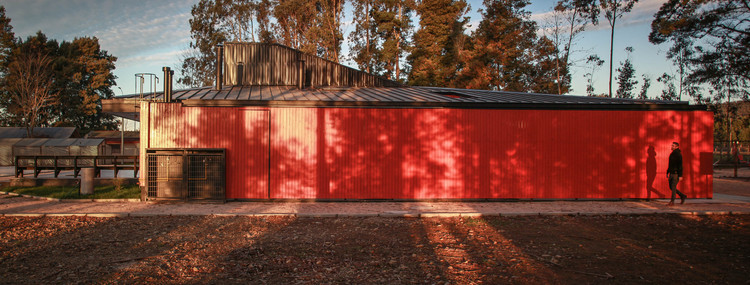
(301, 74)
(240, 75)
(219, 66)
(166, 83)
(171, 74)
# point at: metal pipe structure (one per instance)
(219, 66)
(167, 83)
(240, 73)
(301, 77)
(153, 80)
(171, 74)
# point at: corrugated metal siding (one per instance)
(243, 132)
(330, 153)
(369, 153)
(6, 151)
(274, 64)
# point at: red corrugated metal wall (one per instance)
(349, 153)
(369, 153)
(243, 132)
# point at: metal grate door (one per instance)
(205, 177)
(185, 174)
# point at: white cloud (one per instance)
(642, 13)
(165, 56)
(124, 28)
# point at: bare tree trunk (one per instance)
(335, 25)
(398, 42)
(557, 67)
(367, 21)
(611, 49)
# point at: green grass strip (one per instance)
(71, 192)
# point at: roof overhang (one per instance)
(454, 105)
(128, 108)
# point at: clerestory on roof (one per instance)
(254, 74)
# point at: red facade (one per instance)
(430, 153)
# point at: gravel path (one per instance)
(731, 196)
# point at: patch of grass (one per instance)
(130, 191)
(473, 222)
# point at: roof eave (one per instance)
(456, 105)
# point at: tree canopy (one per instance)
(713, 36)
(506, 53)
(38, 71)
(438, 42)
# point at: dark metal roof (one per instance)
(55, 133)
(404, 97)
(113, 134)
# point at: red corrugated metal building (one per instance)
(297, 127)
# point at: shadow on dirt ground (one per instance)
(209, 249)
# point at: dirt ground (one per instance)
(493, 250)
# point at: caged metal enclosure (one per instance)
(298, 127)
(185, 174)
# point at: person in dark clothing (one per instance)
(674, 173)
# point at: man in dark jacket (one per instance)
(674, 173)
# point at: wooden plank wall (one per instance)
(275, 64)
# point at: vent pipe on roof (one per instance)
(219, 66)
(240, 75)
(171, 75)
(301, 76)
(167, 84)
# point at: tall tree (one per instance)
(264, 14)
(568, 19)
(7, 39)
(313, 27)
(295, 20)
(29, 86)
(393, 27)
(438, 42)
(668, 92)
(81, 77)
(507, 54)
(719, 31)
(218, 21)
(594, 63)
(328, 28)
(626, 81)
(613, 10)
(84, 78)
(682, 53)
(722, 26)
(644, 88)
(363, 41)
(7, 42)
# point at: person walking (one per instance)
(674, 173)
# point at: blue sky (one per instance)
(146, 35)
